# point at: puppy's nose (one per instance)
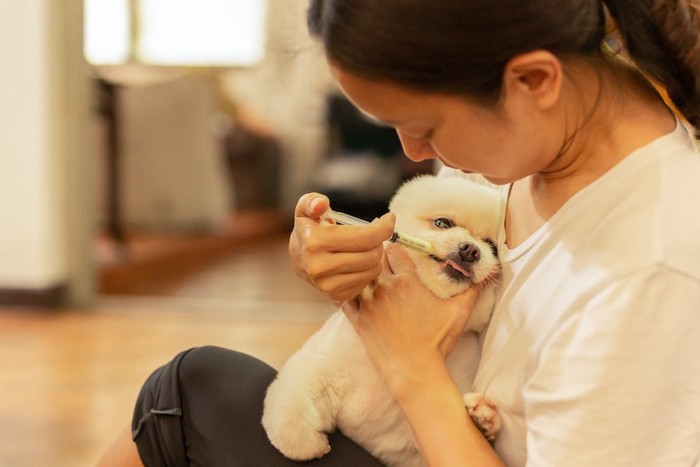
(469, 252)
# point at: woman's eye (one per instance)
(443, 223)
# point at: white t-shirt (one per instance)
(593, 352)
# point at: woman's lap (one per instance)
(204, 408)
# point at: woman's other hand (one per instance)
(407, 330)
(339, 260)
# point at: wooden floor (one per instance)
(69, 377)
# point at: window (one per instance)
(107, 31)
(175, 32)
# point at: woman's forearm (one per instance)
(445, 434)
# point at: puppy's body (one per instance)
(331, 382)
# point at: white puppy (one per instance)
(331, 383)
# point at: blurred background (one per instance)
(151, 154)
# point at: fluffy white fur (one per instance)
(331, 383)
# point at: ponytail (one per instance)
(663, 39)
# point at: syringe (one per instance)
(403, 239)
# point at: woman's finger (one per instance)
(326, 264)
(464, 304)
(398, 260)
(351, 310)
(344, 287)
(311, 205)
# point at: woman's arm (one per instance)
(409, 346)
(445, 434)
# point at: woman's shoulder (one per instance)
(650, 205)
(639, 214)
(678, 198)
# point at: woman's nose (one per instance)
(416, 149)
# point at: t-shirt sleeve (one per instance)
(618, 382)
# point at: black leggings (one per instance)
(204, 407)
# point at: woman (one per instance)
(591, 355)
(599, 312)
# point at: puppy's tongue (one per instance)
(457, 267)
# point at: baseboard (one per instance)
(49, 297)
(160, 268)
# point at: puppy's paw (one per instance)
(484, 413)
(300, 444)
(298, 434)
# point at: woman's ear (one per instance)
(535, 76)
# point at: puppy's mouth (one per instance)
(453, 269)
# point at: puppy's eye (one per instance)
(492, 244)
(443, 223)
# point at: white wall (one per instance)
(43, 108)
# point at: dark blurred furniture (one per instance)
(253, 160)
(365, 163)
(108, 108)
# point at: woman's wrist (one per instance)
(441, 425)
(407, 377)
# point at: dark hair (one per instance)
(462, 46)
(663, 39)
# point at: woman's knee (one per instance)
(214, 367)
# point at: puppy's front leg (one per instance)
(302, 404)
(299, 411)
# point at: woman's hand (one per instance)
(339, 260)
(408, 332)
(405, 327)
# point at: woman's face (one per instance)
(504, 144)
